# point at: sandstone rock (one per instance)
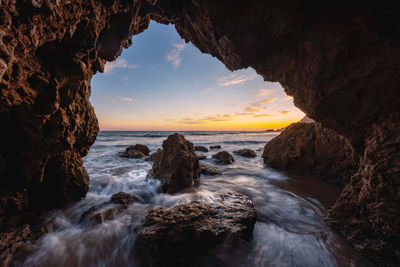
(346, 77)
(103, 212)
(209, 169)
(11, 241)
(309, 148)
(224, 157)
(215, 147)
(248, 153)
(134, 154)
(181, 235)
(200, 157)
(123, 198)
(177, 166)
(138, 147)
(156, 155)
(201, 148)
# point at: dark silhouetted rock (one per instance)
(248, 153)
(209, 169)
(123, 198)
(11, 241)
(201, 148)
(215, 147)
(309, 148)
(201, 157)
(224, 157)
(102, 212)
(177, 167)
(142, 148)
(181, 235)
(134, 154)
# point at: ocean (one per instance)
(291, 210)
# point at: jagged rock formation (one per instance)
(338, 59)
(177, 166)
(138, 147)
(185, 234)
(224, 157)
(309, 148)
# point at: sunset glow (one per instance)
(162, 83)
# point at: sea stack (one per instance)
(177, 166)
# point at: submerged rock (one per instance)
(200, 157)
(209, 169)
(309, 148)
(123, 198)
(215, 147)
(136, 151)
(183, 235)
(224, 157)
(103, 212)
(201, 148)
(248, 153)
(177, 166)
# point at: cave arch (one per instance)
(339, 60)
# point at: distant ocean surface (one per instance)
(290, 229)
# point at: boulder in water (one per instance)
(188, 233)
(209, 169)
(133, 154)
(142, 148)
(100, 213)
(310, 148)
(177, 166)
(224, 157)
(123, 198)
(248, 153)
(215, 147)
(201, 156)
(201, 148)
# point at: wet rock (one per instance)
(201, 148)
(103, 212)
(201, 157)
(248, 153)
(183, 235)
(309, 148)
(123, 198)
(224, 157)
(156, 155)
(215, 147)
(177, 167)
(209, 169)
(138, 147)
(133, 154)
(11, 241)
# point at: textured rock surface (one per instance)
(338, 59)
(209, 169)
(123, 198)
(224, 157)
(246, 152)
(309, 148)
(134, 154)
(138, 147)
(201, 148)
(178, 236)
(155, 155)
(177, 166)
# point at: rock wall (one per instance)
(338, 59)
(309, 148)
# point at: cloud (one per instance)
(235, 79)
(264, 92)
(119, 63)
(173, 55)
(120, 99)
(257, 106)
(284, 112)
(209, 90)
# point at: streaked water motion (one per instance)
(290, 229)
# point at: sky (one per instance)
(163, 83)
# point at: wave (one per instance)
(249, 142)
